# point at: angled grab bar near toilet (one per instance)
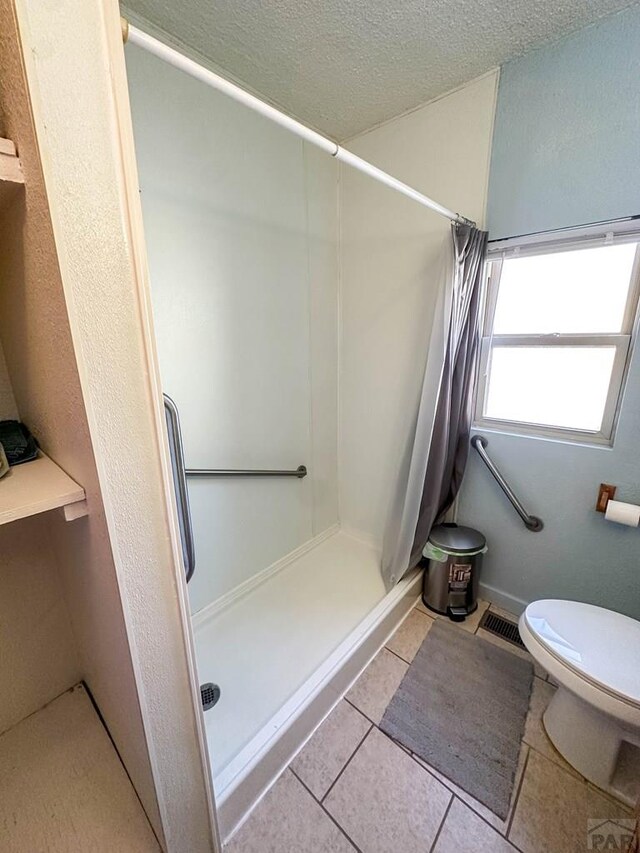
(531, 522)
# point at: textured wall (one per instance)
(244, 294)
(565, 152)
(566, 148)
(578, 555)
(82, 120)
(42, 363)
(38, 659)
(8, 408)
(391, 255)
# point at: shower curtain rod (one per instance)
(178, 60)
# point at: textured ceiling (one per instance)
(345, 65)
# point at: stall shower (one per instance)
(248, 238)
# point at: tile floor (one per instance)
(353, 789)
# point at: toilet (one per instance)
(593, 719)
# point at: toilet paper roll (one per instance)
(623, 513)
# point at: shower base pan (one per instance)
(284, 652)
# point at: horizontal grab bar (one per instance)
(300, 472)
(531, 522)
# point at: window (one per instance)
(556, 336)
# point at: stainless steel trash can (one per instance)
(453, 572)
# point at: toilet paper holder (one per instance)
(622, 513)
(606, 493)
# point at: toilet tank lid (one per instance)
(602, 645)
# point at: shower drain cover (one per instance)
(504, 628)
(209, 694)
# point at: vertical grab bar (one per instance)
(180, 485)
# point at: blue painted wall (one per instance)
(566, 145)
(566, 151)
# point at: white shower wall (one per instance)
(391, 251)
(241, 230)
(241, 222)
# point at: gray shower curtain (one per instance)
(441, 443)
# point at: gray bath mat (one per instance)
(462, 707)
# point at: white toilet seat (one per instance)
(593, 652)
(594, 656)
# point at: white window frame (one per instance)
(623, 341)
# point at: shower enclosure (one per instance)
(287, 600)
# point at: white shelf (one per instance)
(38, 486)
(11, 177)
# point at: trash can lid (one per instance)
(459, 540)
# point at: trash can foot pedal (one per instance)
(457, 614)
